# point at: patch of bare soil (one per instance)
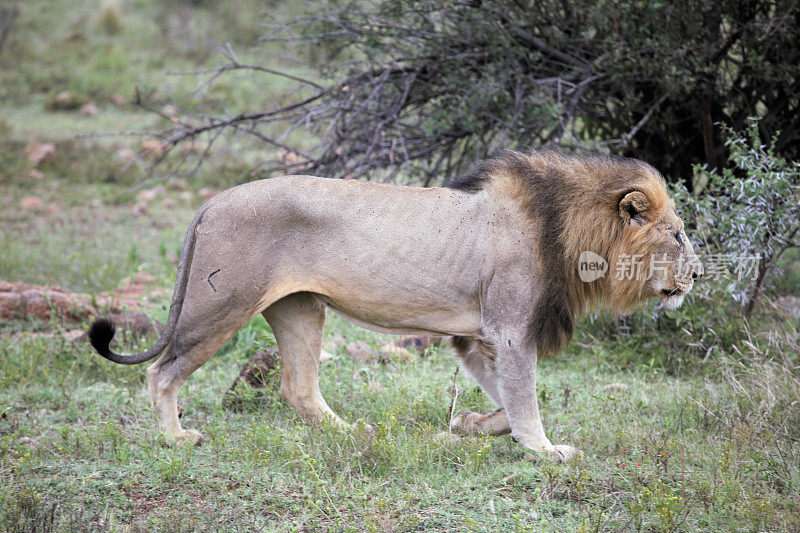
(22, 301)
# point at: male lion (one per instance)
(491, 260)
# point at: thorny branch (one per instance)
(418, 92)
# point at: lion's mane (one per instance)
(573, 203)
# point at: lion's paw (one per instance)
(464, 423)
(560, 453)
(189, 437)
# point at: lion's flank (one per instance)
(573, 202)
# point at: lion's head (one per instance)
(652, 255)
(619, 211)
(614, 211)
(670, 264)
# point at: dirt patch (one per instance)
(21, 301)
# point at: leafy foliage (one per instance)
(747, 216)
(423, 87)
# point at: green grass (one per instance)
(666, 455)
(696, 443)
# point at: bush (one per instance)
(417, 90)
(745, 218)
(742, 220)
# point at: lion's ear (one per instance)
(633, 207)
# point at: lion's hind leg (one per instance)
(297, 321)
(471, 423)
(476, 357)
(198, 336)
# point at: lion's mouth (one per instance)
(672, 298)
(667, 293)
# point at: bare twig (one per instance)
(626, 139)
(453, 398)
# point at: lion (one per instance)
(492, 260)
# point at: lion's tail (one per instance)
(102, 330)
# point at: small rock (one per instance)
(168, 203)
(28, 443)
(147, 195)
(153, 148)
(53, 209)
(42, 303)
(255, 373)
(418, 342)
(445, 437)
(89, 109)
(11, 305)
(170, 110)
(65, 101)
(126, 154)
(31, 203)
(289, 158)
(185, 196)
(41, 153)
(617, 387)
(136, 324)
(73, 334)
(390, 352)
(360, 351)
(36, 174)
(22, 301)
(177, 184)
(139, 209)
(325, 356)
(117, 100)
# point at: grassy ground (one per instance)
(671, 453)
(673, 442)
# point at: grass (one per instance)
(669, 454)
(699, 440)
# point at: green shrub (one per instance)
(746, 217)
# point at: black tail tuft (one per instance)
(100, 334)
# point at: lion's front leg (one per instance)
(516, 374)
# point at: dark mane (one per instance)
(477, 177)
(552, 319)
(551, 322)
(572, 201)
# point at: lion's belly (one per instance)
(387, 317)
